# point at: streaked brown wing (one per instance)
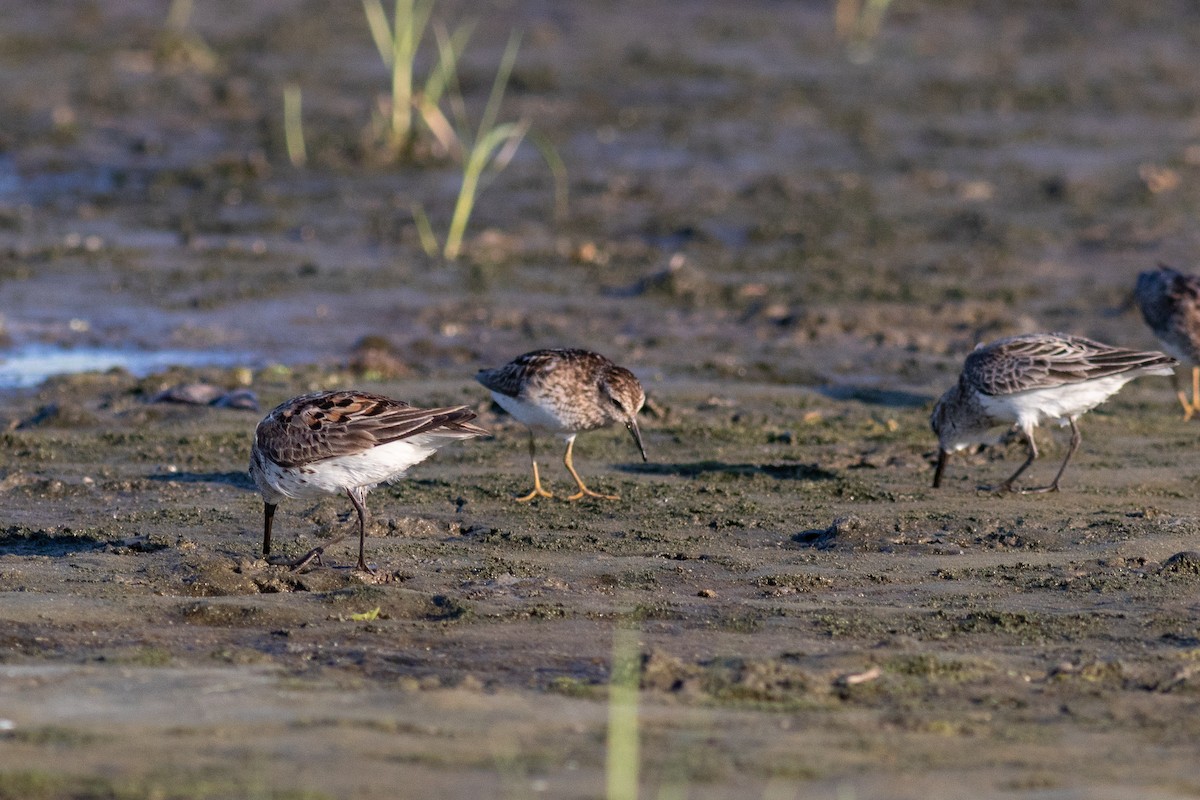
(1039, 361)
(1005, 367)
(539, 364)
(508, 379)
(331, 424)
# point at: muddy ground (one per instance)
(791, 241)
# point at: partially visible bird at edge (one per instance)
(1170, 304)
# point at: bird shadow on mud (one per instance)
(692, 469)
(239, 479)
(876, 397)
(20, 541)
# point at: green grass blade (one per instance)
(450, 49)
(501, 150)
(439, 126)
(489, 138)
(403, 49)
(507, 61)
(623, 740)
(397, 44)
(425, 232)
(477, 161)
(508, 144)
(293, 126)
(381, 31)
(558, 169)
(447, 74)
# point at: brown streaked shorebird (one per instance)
(345, 441)
(1170, 304)
(566, 392)
(1026, 380)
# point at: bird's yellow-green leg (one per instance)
(583, 490)
(1189, 408)
(1195, 393)
(538, 491)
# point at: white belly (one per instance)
(1031, 408)
(531, 414)
(366, 469)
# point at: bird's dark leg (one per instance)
(1076, 438)
(268, 518)
(356, 497)
(315, 554)
(1007, 486)
(360, 505)
(941, 466)
(538, 491)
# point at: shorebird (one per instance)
(345, 441)
(1170, 304)
(565, 392)
(1026, 380)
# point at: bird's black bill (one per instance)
(637, 437)
(941, 465)
(268, 516)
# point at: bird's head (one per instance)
(625, 399)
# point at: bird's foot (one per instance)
(586, 492)
(538, 491)
(1190, 407)
(309, 557)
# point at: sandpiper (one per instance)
(1170, 303)
(1026, 380)
(345, 441)
(566, 391)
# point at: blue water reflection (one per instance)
(28, 365)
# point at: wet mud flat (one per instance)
(810, 614)
(792, 248)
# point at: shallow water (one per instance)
(29, 365)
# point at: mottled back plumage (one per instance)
(325, 425)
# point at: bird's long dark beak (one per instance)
(941, 465)
(637, 437)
